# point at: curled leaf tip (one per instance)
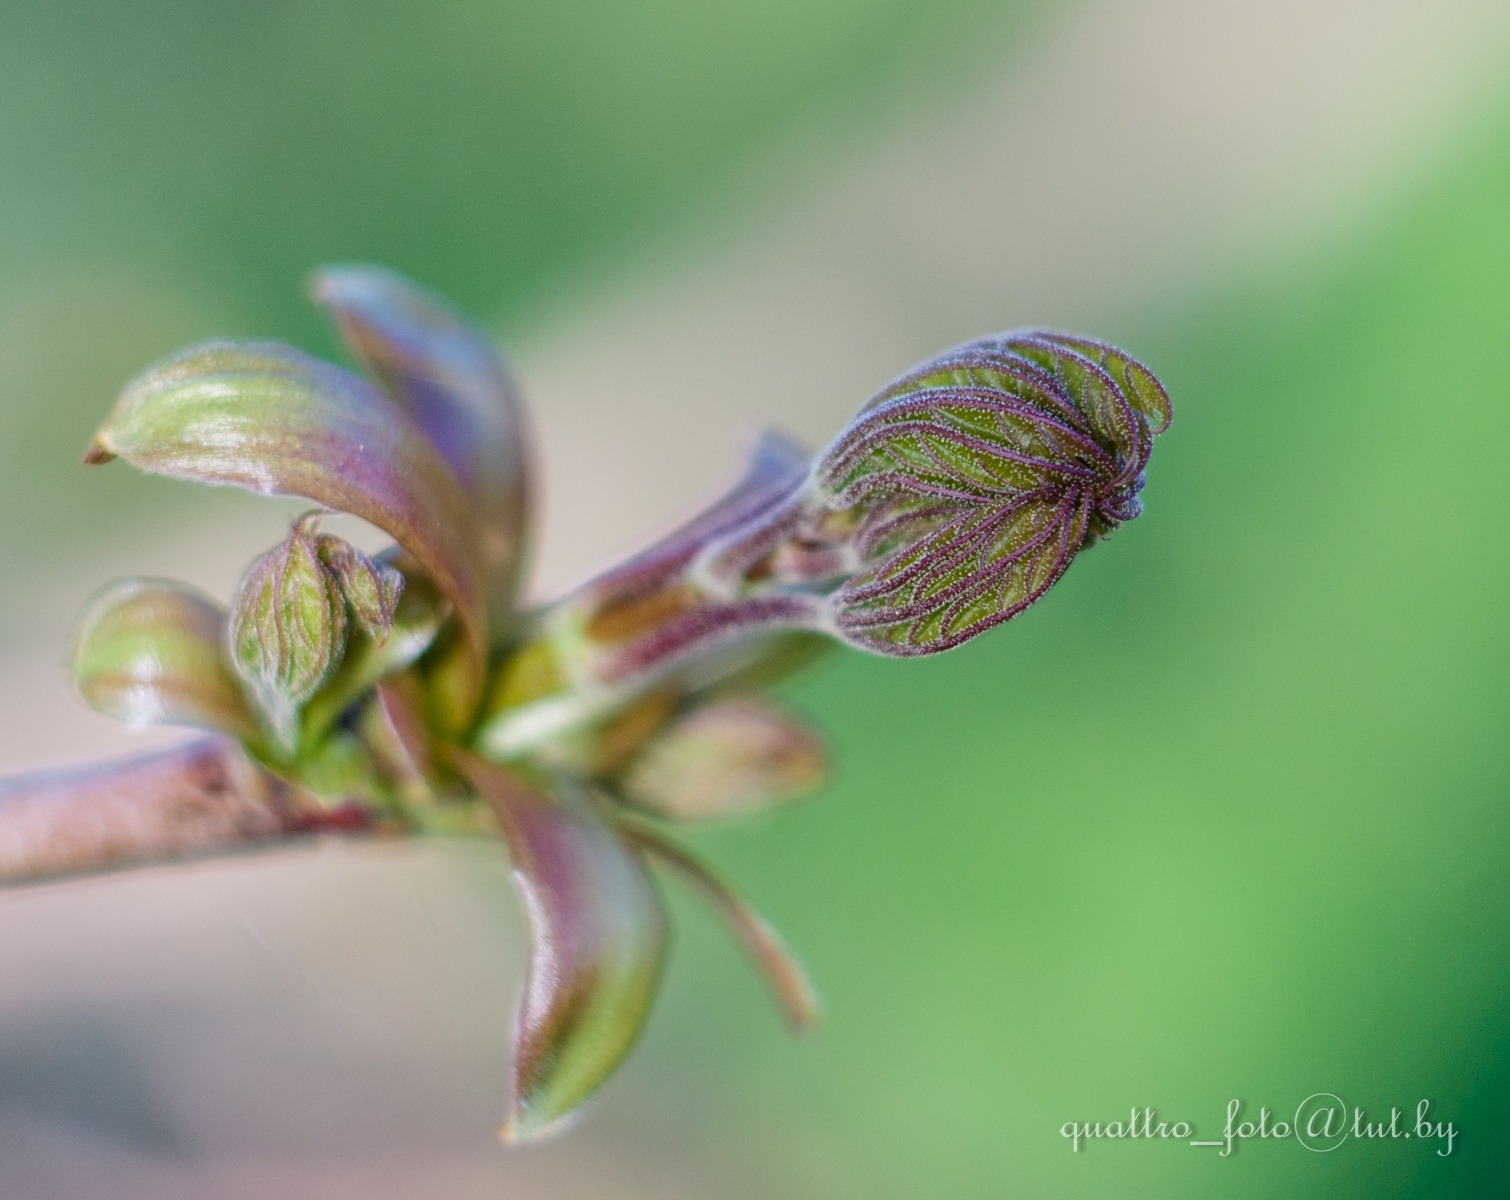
(97, 456)
(272, 419)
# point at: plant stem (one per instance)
(198, 799)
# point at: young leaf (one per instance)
(371, 588)
(152, 652)
(775, 467)
(642, 621)
(730, 755)
(275, 420)
(445, 372)
(288, 626)
(599, 944)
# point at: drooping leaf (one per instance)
(729, 755)
(598, 944)
(275, 420)
(153, 652)
(447, 374)
(371, 589)
(978, 477)
(288, 626)
(783, 974)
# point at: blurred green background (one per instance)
(1224, 817)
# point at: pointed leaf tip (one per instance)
(599, 939)
(725, 757)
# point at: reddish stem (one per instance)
(194, 800)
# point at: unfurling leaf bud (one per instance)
(371, 588)
(288, 625)
(976, 479)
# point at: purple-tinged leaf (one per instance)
(445, 372)
(640, 618)
(371, 589)
(641, 622)
(776, 467)
(724, 757)
(1136, 381)
(978, 477)
(152, 652)
(599, 944)
(272, 419)
(693, 628)
(783, 974)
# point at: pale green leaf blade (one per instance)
(288, 626)
(152, 652)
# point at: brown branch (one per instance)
(194, 800)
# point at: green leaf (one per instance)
(152, 652)
(727, 756)
(599, 945)
(446, 373)
(1139, 384)
(272, 419)
(288, 626)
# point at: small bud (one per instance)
(371, 588)
(288, 625)
(726, 757)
